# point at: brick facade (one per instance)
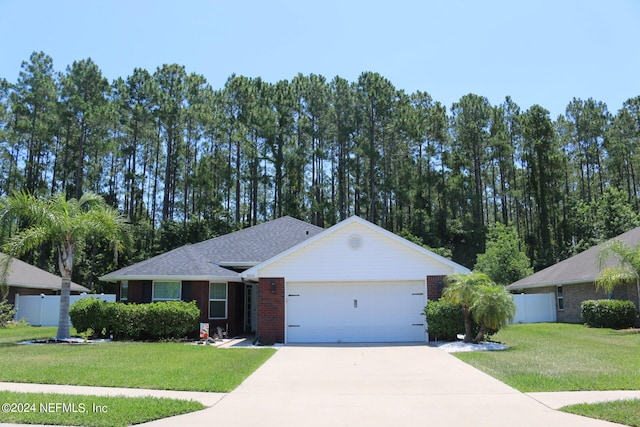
(135, 290)
(233, 324)
(435, 284)
(198, 291)
(271, 310)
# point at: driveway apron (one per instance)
(374, 385)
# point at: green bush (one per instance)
(127, 321)
(615, 314)
(171, 319)
(6, 313)
(444, 320)
(89, 313)
(155, 321)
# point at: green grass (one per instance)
(16, 333)
(562, 357)
(621, 411)
(167, 366)
(60, 409)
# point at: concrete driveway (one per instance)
(370, 385)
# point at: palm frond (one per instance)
(614, 276)
(5, 266)
(493, 306)
(461, 288)
(89, 199)
(26, 240)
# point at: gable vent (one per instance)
(355, 242)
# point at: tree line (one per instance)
(185, 161)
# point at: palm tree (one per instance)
(626, 271)
(64, 223)
(492, 308)
(461, 289)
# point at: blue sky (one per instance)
(538, 52)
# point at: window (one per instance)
(124, 290)
(166, 291)
(560, 295)
(217, 300)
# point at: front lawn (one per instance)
(166, 366)
(562, 357)
(17, 333)
(68, 410)
(621, 411)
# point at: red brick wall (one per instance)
(434, 287)
(200, 294)
(271, 311)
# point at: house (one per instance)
(25, 279)
(572, 281)
(289, 281)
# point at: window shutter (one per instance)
(146, 292)
(186, 291)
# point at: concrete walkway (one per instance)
(207, 399)
(367, 385)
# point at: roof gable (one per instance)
(355, 249)
(580, 268)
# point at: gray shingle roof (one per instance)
(23, 275)
(207, 259)
(184, 261)
(581, 268)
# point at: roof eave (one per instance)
(74, 286)
(516, 287)
(119, 278)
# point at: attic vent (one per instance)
(355, 242)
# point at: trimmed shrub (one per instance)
(614, 314)
(171, 319)
(89, 313)
(155, 321)
(444, 320)
(126, 321)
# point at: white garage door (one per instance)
(355, 312)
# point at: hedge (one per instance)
(154, 321)
(444, 320)
(614, 314)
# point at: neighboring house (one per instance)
(25, 279)
(289, 281)
(573, 280)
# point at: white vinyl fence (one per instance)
(44, 310)
(535, 308)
